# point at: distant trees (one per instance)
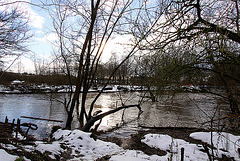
(14, 32)
(49, 79)
(156, 71)
(122, 74)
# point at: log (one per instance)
(35, 118)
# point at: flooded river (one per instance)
(182, 110)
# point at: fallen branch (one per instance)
(41, 119)
(93, 119)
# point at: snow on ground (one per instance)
(173, 146)
(7, 157)
(81, 146)
(225, 143)
(136, 155)
(64, 88)
(4, 156)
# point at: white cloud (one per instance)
(39, 32)
(117, 45)
(35, 20)
(51, 37)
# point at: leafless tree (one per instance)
(84, 28)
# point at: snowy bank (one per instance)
(78, 145)
(224, 144)
(22, 89)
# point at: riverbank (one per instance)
(155, 144)
(26, 89)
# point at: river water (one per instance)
(181, 110)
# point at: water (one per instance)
(184, 110)
(34, 105)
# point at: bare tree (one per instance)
(94, 23)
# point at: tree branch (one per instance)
(93, 119)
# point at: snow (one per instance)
(62, 88)
(15, 82)
(134, 155)
(8, 146)
(7, 157)
(81, 146)
(173, 146)
(19, 136)
(225, 143)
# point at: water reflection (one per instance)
(184, 110)
(35, 105)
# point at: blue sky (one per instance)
(40, 44)
(40, 26)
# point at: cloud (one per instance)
(118, 45)
(51, 37)
(35, 20)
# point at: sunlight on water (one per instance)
(105, 101)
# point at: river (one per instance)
(182, 110)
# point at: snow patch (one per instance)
(81, 144)
(136, 155)
(7, 157)
(173, 147)
(225, 143)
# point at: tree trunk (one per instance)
(79, 77)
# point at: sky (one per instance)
(40, 44)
